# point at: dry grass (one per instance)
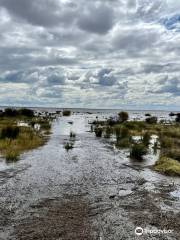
(167, 166)
(26, 140)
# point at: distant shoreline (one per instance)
(91, 109)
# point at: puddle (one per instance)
(175, 194)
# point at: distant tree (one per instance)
(171, 114)
(123, 116)
(10, 112)
(26, 112)
(151, 120)
(66, 113)
(178, 117)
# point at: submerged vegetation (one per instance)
(14, 138)
(136, 136)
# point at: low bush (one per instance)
(10, 132)
(11, 155)
(66, 113)
(68, 146)
(137, 151)
(151, 120)
(98, 131)
(166, 142)
(123, 143)
(26, 112)
(108, 132)
(173, 153)
(10, 112)
(123, 116)
(146, 138)
(117, 132)
(72, 135)
(124, 132)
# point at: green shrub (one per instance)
(10, 132)
(166, 142)
(26, 112)
(123, 116)
(151, 120)
(146, 138)
(10, 112)
(98, 131)
(66, 113)
(68, 146)
(72, 135)
(173, 153)
(12, 156)
(138, 150)
(108, 132)
(123, 143)
(124, 132)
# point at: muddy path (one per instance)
(89, 192)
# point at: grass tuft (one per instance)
(167, 166)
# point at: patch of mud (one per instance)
(57, 218)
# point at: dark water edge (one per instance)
(90, 192)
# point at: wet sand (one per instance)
(89, 192)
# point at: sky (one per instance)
(121, 54)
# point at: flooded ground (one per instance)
(89, 192)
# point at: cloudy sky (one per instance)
(95, 53)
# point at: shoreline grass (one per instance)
(15, 139)
(167, 166)
(168, 139)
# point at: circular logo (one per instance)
(139, 231)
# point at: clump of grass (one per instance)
(11, 155)
(123, 143)
(108, 132)
(68, 146)
(138, 150)
(66, 113)
(167, 166)
(166, 142)
(173, 153)
(117, 132)
(72, 135)
(146, 138)
(98, 131)
(26, 140)
(124, 132)
(9, 132)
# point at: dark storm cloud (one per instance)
(96, 19)
(37, 12)
(19, 77)
(168, 85)
(106, 78)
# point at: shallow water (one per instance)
(119, 194)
